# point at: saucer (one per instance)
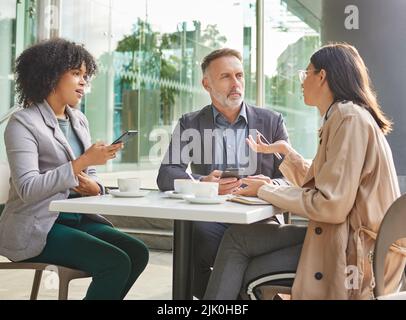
(174, 195)
(129, 194)
(205, 200)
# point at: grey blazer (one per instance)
(41, 171)
(268, 122)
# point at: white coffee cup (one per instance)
(129, 184)
(205, 189)
(183, 186)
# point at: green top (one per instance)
(77, 148)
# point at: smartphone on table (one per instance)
(126, 136)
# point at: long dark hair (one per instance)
(348, 79)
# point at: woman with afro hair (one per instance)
(51, 157)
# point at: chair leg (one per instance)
(35, 285)
(287, 217)
(63, 286)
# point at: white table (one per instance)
(157, 205)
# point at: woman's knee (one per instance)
(138, 253)
(142, 255)
(115, 260)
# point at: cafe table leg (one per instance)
(182, 271)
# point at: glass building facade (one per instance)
(149, 54)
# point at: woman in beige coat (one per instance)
(344, 192)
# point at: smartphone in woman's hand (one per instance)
(126, 136)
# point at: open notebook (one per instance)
(248, 200)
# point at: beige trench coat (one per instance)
(344, 193)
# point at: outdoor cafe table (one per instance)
(157, 205)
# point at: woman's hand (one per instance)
(252, 187)
(87, 186)
(97, 154)
(261, 177)
(260, 146)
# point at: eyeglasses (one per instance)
(303, 74)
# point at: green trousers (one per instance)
(113, 259)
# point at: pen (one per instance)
(262, 136)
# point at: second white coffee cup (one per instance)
(182, 186)
(205, 189)
(129, 184)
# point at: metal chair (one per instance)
(65, 274)
(393, 228)
(262, 283)
(269, 286)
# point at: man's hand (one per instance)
(226, 185)
(87, 186)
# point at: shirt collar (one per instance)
(329, 110)
(242, 114)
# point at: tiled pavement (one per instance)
(154, 283)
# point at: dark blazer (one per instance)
(268, 122)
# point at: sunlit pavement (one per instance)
(154, 283)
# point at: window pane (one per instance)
(291, 36)
(7, 54)
(149, 61)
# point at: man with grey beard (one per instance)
(214, 139)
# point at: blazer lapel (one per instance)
(255, 123)
(79, 129)
(206, 121)
(51, 121)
